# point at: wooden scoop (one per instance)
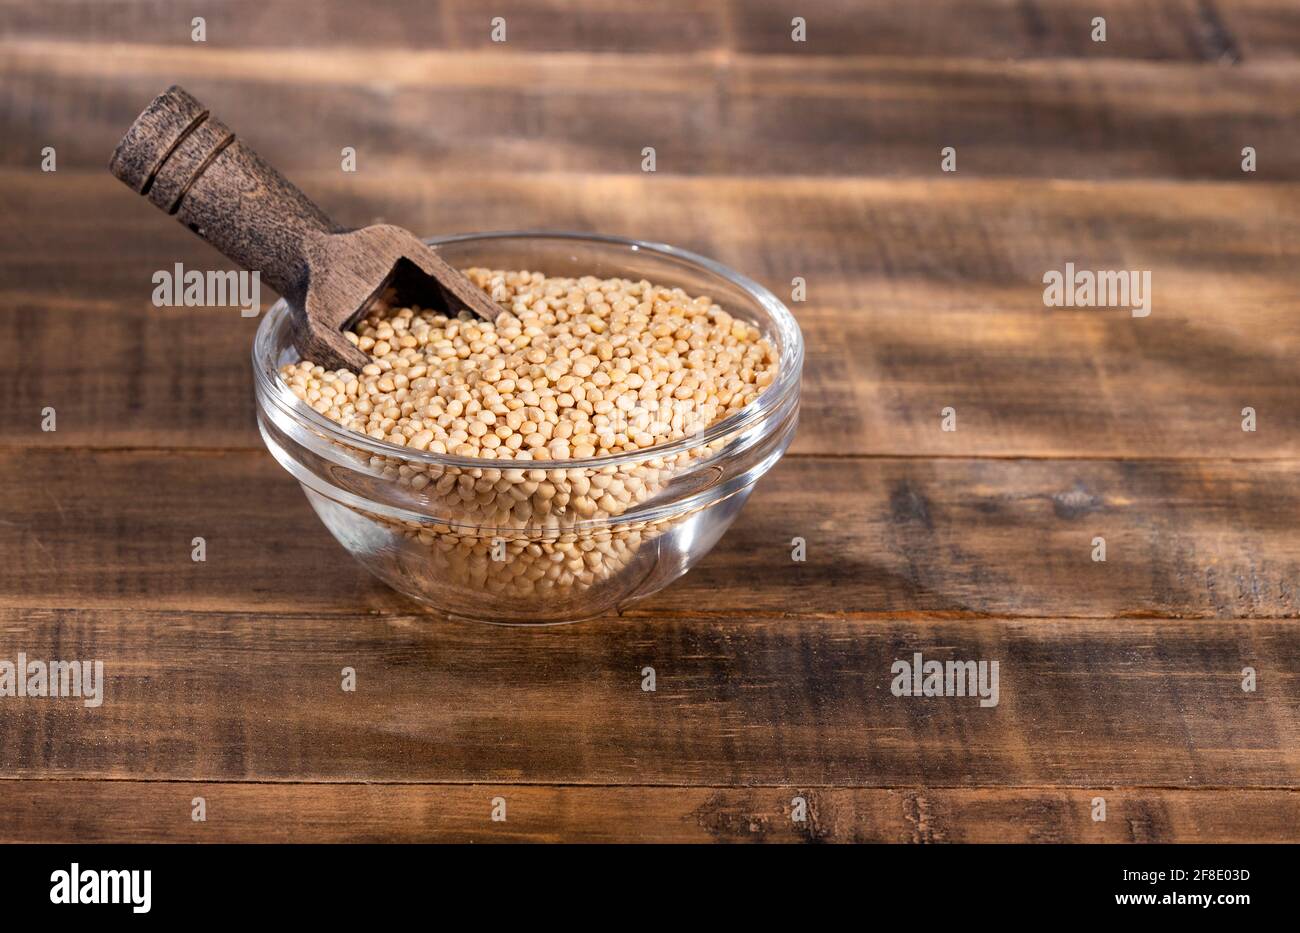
(191, 165)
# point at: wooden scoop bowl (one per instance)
(191, 165)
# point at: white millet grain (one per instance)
(575, 368)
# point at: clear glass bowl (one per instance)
(503, 542)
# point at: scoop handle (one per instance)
(189, 164)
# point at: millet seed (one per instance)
(573, 368)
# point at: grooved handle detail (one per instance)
(190, 165)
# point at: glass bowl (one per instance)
(503, 541)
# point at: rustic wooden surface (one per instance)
(1119, 679)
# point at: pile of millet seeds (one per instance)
(572, 369)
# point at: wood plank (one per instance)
(1143, 29)
(963, 538)
(921, 295)
(1119, 679)
(157, 811)
(438, 111)
(756, 700)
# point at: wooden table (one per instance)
(1120, 679)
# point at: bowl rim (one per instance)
(271, 388)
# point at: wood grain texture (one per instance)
(1222, 30)
(819, 160)
(750, 700)
(705, 115)
(157, 811)
(967, 538)
(921, 295)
